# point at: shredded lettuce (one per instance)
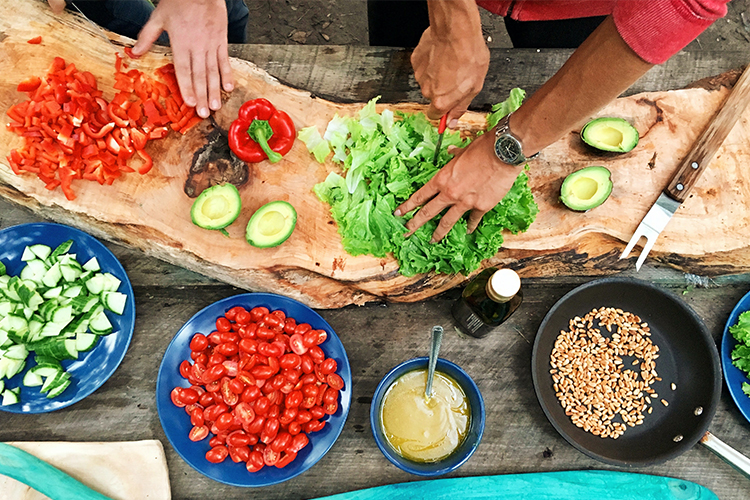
(387, 157)
(512, 103)
(315, 143)
(741, 352)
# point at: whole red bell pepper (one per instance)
(261, 131)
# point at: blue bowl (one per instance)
(176, 423)
(476, 426)
(733, 375)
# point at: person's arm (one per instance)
(451, 61)
(198, 35)
(475, 180)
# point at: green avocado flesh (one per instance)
(610, 134)
(271, 224)
(586, 188)
(216, 207)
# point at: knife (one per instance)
(691, 168)
(441, 131)
(97, 29)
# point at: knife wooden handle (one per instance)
(696, 161)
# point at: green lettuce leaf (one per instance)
(387, 157)
(315, 143)
(741, 352)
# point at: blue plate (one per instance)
(733, 375)
(176, 422)
(94, 367)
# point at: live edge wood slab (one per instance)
(151, 212)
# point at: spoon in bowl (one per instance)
(437, 338)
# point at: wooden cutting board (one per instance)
(128, 470)
(708, 235)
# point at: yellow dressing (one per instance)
(425, 430)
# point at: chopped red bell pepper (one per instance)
(261, 132)
(35, 41)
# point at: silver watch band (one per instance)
(503, 127)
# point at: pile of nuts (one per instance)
(599, 393)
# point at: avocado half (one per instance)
(586, 188)
(216, 207)
(610, 134)
(271, 224)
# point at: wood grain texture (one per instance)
(150, 213)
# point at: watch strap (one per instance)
(503, 128)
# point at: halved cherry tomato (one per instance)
(270, 457)
(217, 454)
(335, 381)
(255, 461)
(198, 433)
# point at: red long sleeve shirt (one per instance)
(654, 29)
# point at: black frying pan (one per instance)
(688, 358)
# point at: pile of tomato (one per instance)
(260, 383)
(72, 132)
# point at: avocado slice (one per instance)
(216, 207)
(586, 188)
(271, 224)
(610, 134)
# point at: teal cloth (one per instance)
(569, 485)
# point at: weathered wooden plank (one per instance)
(357, 73)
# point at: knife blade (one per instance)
(441, 132)
(691, 168)
(96, 28)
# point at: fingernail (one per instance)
(397, 213)
(433, 241)
(203, 112)
(228, 87)
(190, 101)
(453, 123)
(215, 104)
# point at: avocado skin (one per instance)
(600, 175)
(593, 134)
(258, 240)
(230, 192)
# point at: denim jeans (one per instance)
(127, 17)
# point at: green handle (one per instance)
(570, 485)
(41, 476)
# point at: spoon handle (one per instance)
(437, 338)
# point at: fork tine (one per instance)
(644, 253)
(631, 244)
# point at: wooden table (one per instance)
(518, 438)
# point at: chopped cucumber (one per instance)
(54, 308)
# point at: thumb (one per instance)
(148, 35)
(57, 6)
(456, 113)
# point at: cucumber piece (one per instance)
(46, 370)
(31, 379)
(6, 307)
(14, 367)
(100, 324)
(112, 282)
(96, 284)
(34, 270)
(85, 341)
(62, 315)
(73, 291)
(51, 382)
(70, 273)
(114, 301)
(53, 293)
(61, 249)
(59, 387)
(2, 269)
(4, 340)
(41, 251)
(53, 276)
(27, 255)
(16, 352)
(9, 398)
(92, 265)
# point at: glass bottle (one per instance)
(487, 301)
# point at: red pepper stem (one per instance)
(260, 131)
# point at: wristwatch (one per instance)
(508, 147)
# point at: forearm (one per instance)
(454, 18)
(601, 69)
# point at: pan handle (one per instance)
(727, 453)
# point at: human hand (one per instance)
(57, 6)
(474, 180)
(198, 34)
(450, 71)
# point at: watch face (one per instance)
(508, 149)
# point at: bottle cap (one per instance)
(503, 285)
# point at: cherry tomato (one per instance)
(176, 399)
(214, 373)
(317, 412)
(267, 349)
(214, 338)
(248, 331)
(223, 324)
(236, 386)
(215, 441)
(321, 394)
(310, 338)
(335, 381)
(244, 413)
(273, 321)
(250, 394)
(231, 366)
(317, 355)
(248, 345)
(188, 396)
(255, 461)
(322, 336)
(198, 433)
(314, 426)
(185, 368)
(287, 416)
(293, 399)
(294, 428)
(289, 325)
(270, 457)
(262, 405)
(302, 329)
(264, 333)
(303, 417)
(238, 438)
(198, 343)
(239, 453)
(290, 361)
(330, 408)
(257, 425)
(201, 358)
(206, 399)
(330, 396)
(281, 441)
(231, 314)
(298, 442)
(217, 455)
(224, 421)
(257, 313)
(227, 349)
(215, 359)
(307, 364)
(229, 336)
(243, 317)
(297, 344)
(285, 459)
(230, 397)
(212, 412)
(196, 417)
(328, 366)
(270, 430)
(281, 314)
